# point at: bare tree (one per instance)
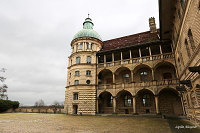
(39, 103)
(56, 103)
(3, 87)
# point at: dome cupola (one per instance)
(87, 30)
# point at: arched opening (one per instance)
(105, 77)
(105, 103)
(142, 73)
(124, 103)
(145, 102)
(123, 75)
(169, 102)
(164, 71)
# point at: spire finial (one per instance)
(88, 15)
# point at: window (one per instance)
(78, 60)
(187, 48)
(88, 82)
(88, 59)
(183, 3)
(77, 73)
(143, 76)
(76, 96)
(72, 49)
(81, 45)
(127, 101)
(126, 78)
(76, 82)
(88, 73)
(190, 36)
(110, 101)
(146, 100)
(71, 61)
(70, 75)
(88, 45)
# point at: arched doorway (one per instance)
(105, 103)
(169, 102)
(124, 102)
(145, 102)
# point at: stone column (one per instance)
(113, 78)
(97, 106)
(104, 60)
(130, 56)
(183, 107)
(113, 59)
(160, 49)
(156, 102)
(134, 105)
(114, 104)
(153, 77)
(121, 58)
(140, 53)
(131, 75)
(150, 53)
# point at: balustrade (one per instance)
(136, 60)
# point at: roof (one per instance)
(128, 41)
(87, 30)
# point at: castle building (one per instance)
(153, 72)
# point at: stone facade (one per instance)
(186, 42)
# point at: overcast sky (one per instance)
(35, 38)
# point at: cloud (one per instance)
(35, 39)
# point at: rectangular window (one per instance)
(76, 96)
(77, 73)
(81, 45)
(88, 73)
(88, 59)
(76, 82)
(88, 46)
(78, 60)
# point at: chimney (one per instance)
(152, 25)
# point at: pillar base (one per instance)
(135, 113)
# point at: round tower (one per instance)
(80, 97)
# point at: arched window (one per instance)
(143, 76)
(187, 48)
(127, 101)
(88, 45)
(78, 60)
(146, 100)
(88, 59)
(126, 78)
(190, 36)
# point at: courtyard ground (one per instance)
(60, 123)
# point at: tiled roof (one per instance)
(127, 41)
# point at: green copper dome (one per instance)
(87, 30)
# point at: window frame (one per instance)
(89, 60)
(78, 60)
(75, 96)
(76, 82)
(88, 73)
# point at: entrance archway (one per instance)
(145, 102)
(124, 102)
(105, 103)
(169, 102)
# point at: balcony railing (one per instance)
(138, 84)
(136, 60)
